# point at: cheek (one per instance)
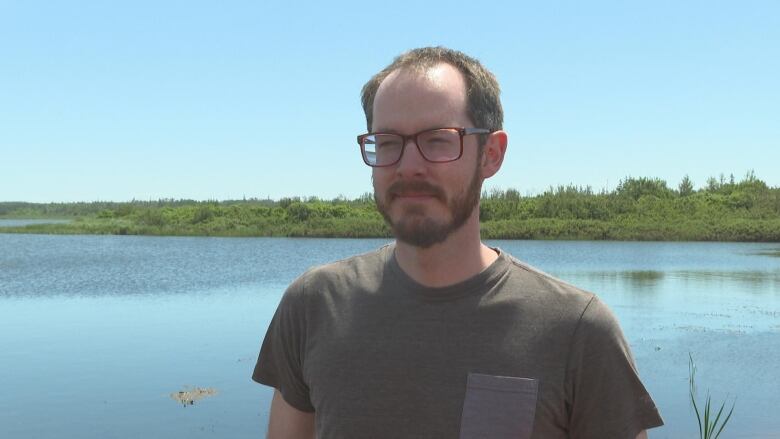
(461, 178)
(379, 179)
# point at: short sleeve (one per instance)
(280, 363)
(605, 395)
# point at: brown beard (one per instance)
(414, 227)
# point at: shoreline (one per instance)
(539, 229)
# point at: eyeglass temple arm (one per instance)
(468, 131)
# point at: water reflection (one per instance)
(636, 278)
(164, 312)
(27, 222)
(753, 281)
(101, 266)
(682, 301)
(774, 253)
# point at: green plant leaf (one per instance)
(709, 424)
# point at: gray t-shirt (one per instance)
(510, 352)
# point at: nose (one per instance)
(412, 162)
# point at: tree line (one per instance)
(724, 209)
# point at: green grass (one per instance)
(710, 424)
(226, 222)
(637, 210)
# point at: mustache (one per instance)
(401, 187)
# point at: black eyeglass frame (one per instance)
(461, 133)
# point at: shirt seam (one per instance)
(305, 344)
(571, 342)
(542, 274)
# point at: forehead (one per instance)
(420, 99)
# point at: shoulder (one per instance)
(348, 272)
(547, 291)
(325, 291)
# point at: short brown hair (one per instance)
(483, 104)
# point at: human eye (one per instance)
(439, 138)
(440, 145)
(387, 141)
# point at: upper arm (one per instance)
(287, 422)
(642, 435)
(607, 397)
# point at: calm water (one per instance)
(24, 222)
(97, 331)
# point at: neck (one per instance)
(459, 257)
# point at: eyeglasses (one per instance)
(439, 145)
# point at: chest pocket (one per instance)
(498, 407)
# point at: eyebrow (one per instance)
(385, 130)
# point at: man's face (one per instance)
(425, 202)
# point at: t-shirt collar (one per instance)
(477, 284)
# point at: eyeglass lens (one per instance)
(436, 146)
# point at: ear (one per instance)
(493, 153)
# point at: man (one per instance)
(438, 335)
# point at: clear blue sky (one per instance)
(216, 100)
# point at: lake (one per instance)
(24, 222)
(97, 332)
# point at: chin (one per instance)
(421, 232)
(418, 216)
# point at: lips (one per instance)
(413, 195)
